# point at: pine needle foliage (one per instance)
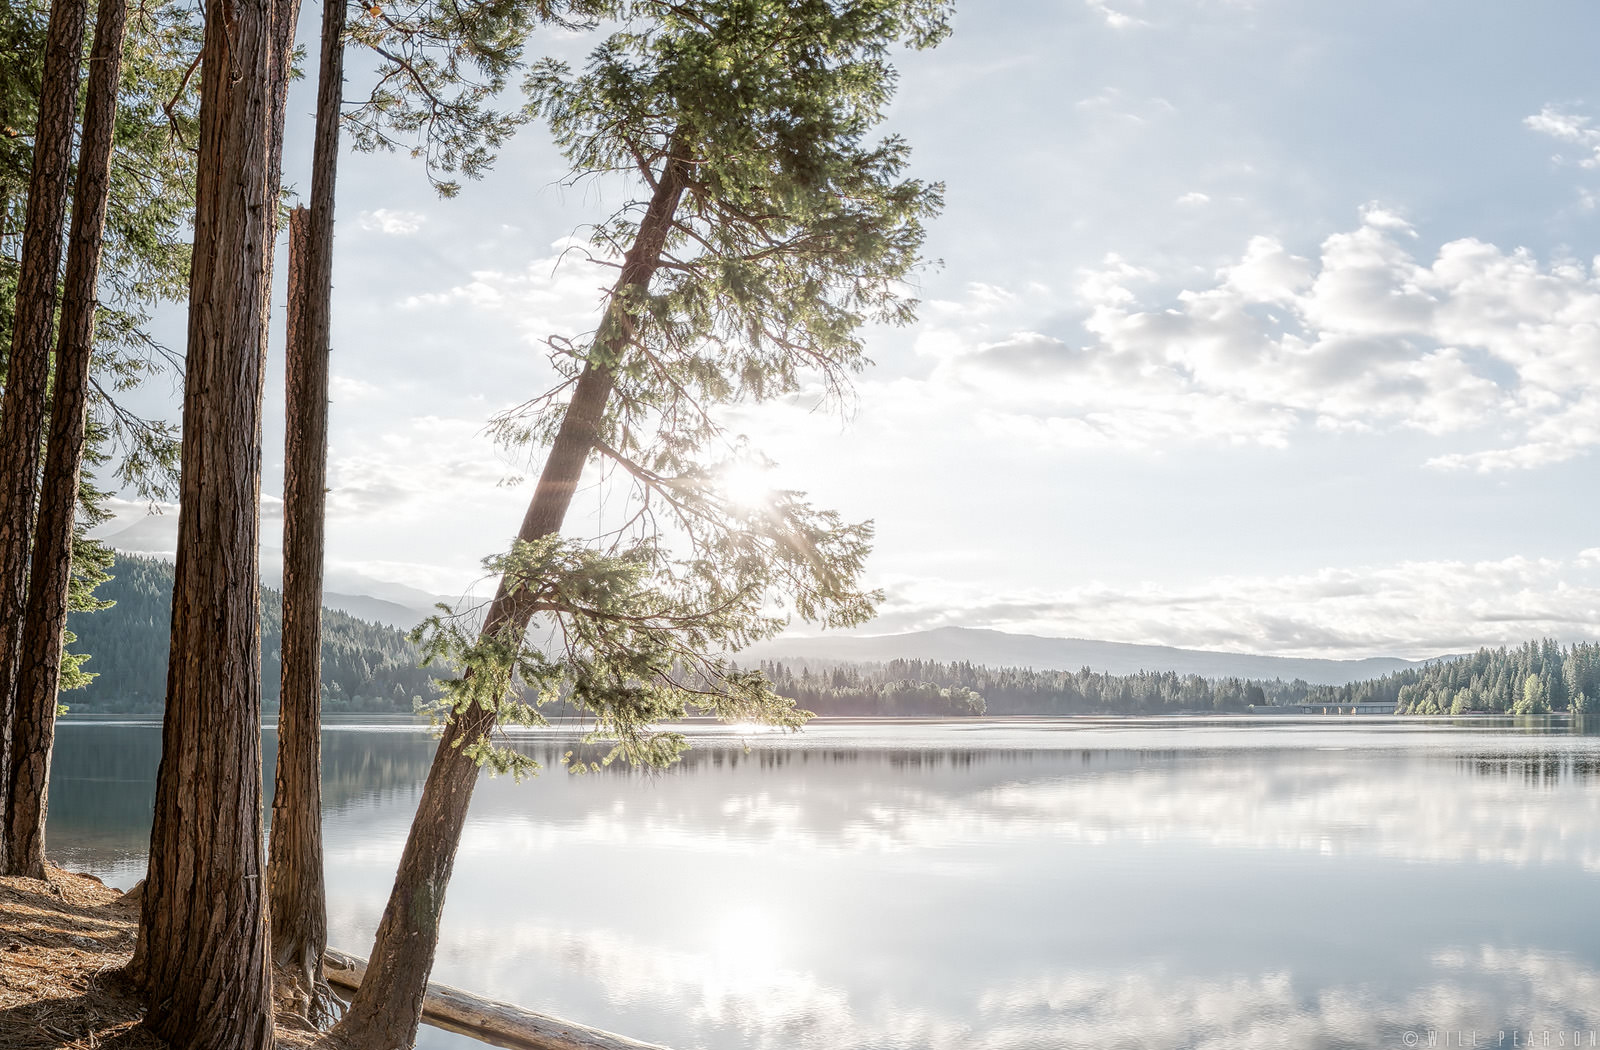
(792, 226)
(442, 67)
(146, 252)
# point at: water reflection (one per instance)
(1007, 885)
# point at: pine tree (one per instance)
(202, 955)
(145, 209)
(28, 367)
(294, 860)
(769, 231)
(50, 581)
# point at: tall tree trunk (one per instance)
(294, 856)
(202, 959)
(386, 1009)
(28, 369)
(34, 720)
(294, 866)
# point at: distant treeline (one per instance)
(371, 667)
(1533, 678)
(927, 687)
(366, 666)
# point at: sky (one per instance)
(1259, 325)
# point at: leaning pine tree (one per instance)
(772, 226)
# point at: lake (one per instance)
(996, 884)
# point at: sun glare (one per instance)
(745, 945)
(745, 485)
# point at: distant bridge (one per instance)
(1363, 708)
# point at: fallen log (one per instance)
(488, 1020)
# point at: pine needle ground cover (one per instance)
(63, 944)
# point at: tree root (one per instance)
(309, 996)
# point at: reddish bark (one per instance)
(294, 863)
(202, 959)
(28, 368)
(34, 717)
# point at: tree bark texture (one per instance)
(34, 718)
(202, 959)
(28, 368)
(387, 1008)
(294, 857)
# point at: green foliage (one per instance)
(630, 645)
(22, 34)
(443, 66)
(796, 228)
(1535, 700)
(91, 564)
(923, 688)
(365, 666)
(784, 230)
(1533, 678)
(145, 258)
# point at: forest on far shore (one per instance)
(373, 668)
(366, 667)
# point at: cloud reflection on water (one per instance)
(974, 891)
(1461, 990)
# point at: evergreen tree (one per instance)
(366, 667)
(50, 579)
(294, 860)
(28, 366)
(1535, 697)
(140, 207)
(770, 230)
(202, 956)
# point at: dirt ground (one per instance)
(63, 944)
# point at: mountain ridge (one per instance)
(993, 648)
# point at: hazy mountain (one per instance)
(154, 535)
(362, 596)
(402, 606)
(376, 610)
(999, 649)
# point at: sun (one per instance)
(745, 485)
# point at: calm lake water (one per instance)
(983, 884)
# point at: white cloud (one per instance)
(1490, 348)
(1120, 17)
(429, 460)
(350, 388)
(556, 294)
(1421, 608)
(1129, 111)
(1571, 128)
(1114, 18)
(396, 222)
(1194, 198)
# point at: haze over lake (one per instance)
(1002, 884)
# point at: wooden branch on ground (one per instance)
(488, 1020)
